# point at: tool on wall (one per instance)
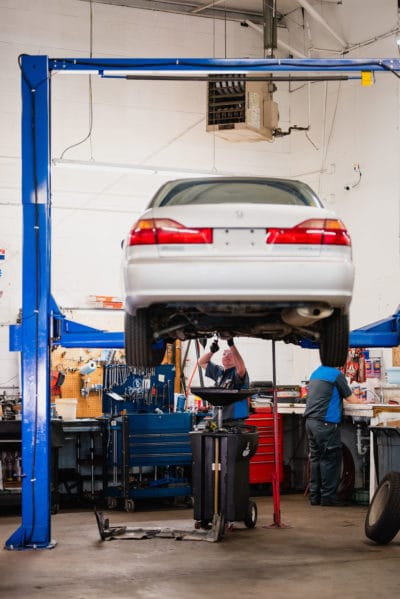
(140, 390)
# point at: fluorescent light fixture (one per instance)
(133, 168)
(62, 71)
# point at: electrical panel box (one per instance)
(240, 110)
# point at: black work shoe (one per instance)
(332, 502)
(315, 502)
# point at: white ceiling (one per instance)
(337, 26)
(232, 9)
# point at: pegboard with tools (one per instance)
(82, 377)
(130, 390)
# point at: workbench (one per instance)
(10, 460)
(377, 415)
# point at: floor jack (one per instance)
(220, 480)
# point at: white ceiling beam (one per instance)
(279, 43)
(210, 5)
(315, 15)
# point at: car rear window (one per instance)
(235, 191)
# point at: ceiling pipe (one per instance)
(270, 26)
(315, 15)
(280, 44)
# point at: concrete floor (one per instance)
(322, 553)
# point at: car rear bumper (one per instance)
(242, 280)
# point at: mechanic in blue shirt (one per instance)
(327, 390)
(231, 375)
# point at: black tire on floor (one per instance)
(382, 522)
(138, 342)
(334, 342)
(250, 519)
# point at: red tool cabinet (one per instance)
(262, 464)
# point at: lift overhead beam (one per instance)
(215, 66)
(42, 325)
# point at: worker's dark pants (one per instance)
(325, 458)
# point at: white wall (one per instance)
(163, 124)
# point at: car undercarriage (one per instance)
(288, 322)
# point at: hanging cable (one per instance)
(326, 142)
(89, 134)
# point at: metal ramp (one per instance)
(110, 533)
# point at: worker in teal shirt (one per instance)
(327, 390)
(231, 375)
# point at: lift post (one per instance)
(33, 338)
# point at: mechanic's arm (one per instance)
(239, 362)
(205, 358)
(353, 399)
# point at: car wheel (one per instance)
(334, 342)
(382, 522)
(139, 350)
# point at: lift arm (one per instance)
(382, 333)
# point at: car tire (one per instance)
(334, 342)
(382, 522)
(138, 342)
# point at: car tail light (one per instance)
(313, 232)
(164, 230)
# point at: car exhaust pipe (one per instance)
(159, 334)
(303, 316)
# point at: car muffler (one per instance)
(303, 316)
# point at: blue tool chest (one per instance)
(159, 439)
(148, 447)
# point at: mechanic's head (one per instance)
(227, 359)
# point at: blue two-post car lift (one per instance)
(42, 324)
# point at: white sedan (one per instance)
(233, 257)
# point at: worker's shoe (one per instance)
(315, 500)
(333, 502)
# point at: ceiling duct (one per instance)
(240, 110)
(270, 26)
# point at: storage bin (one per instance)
(66, 408)
(393, 375)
